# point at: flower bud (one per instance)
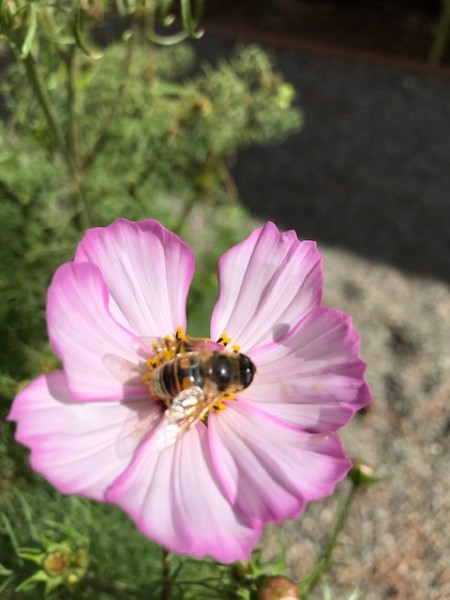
(242, 571)
(278, 587)
(72, 579)
(362, 473)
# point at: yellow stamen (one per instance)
(167, 354)
(224, 339)
(152, 363)
(236, 348)
(180, 334)
(219, 406)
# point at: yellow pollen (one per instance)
(236, 348)
(219, 406)
(152, 363)
(224, 339)
(167, 354)
(180, 334)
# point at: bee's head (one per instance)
(247, 368)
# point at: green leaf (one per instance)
(28, 516)
(4, 572)
(190, 23)
(76, 23)
(31, 31)
(10, 532)
(35, 578)
(4, 586)
(33, 554)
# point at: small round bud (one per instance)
(362, 473)
(278, 587)
(72, 579)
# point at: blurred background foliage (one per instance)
(134, 129)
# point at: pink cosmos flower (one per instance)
(94, 429)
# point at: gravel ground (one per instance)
(369, 178)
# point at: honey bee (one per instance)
(190, 376)
(195, 381)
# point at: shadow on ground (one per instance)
(370, 172)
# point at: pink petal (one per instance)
(174, 497)
(266, 284)
(76, 447)
(313, 377)
(147, 270)
(85, 336)
(269, 471)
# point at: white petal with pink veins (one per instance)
(266, 284)
(75, 445)
(84, 335)
(313, 377)
(174, 497)
(267, 470)
(147, 270)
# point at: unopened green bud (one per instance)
(242, 571)
(362, 473)
(72, 579)
(278, 587)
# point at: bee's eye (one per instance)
(221, 372)
(248, 370)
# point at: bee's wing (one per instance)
(123, 370)
(184, 412)
(146, 346)
(189, 407)
(134, 430)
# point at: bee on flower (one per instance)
(202, 441)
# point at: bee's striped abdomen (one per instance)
(177, 375)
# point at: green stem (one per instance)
(166, 589)
(46, 104)
(441, 36)
(81, 218)
(105, 128)
(186, 212)
(73, 142)
(72, 133)
(324, 560)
